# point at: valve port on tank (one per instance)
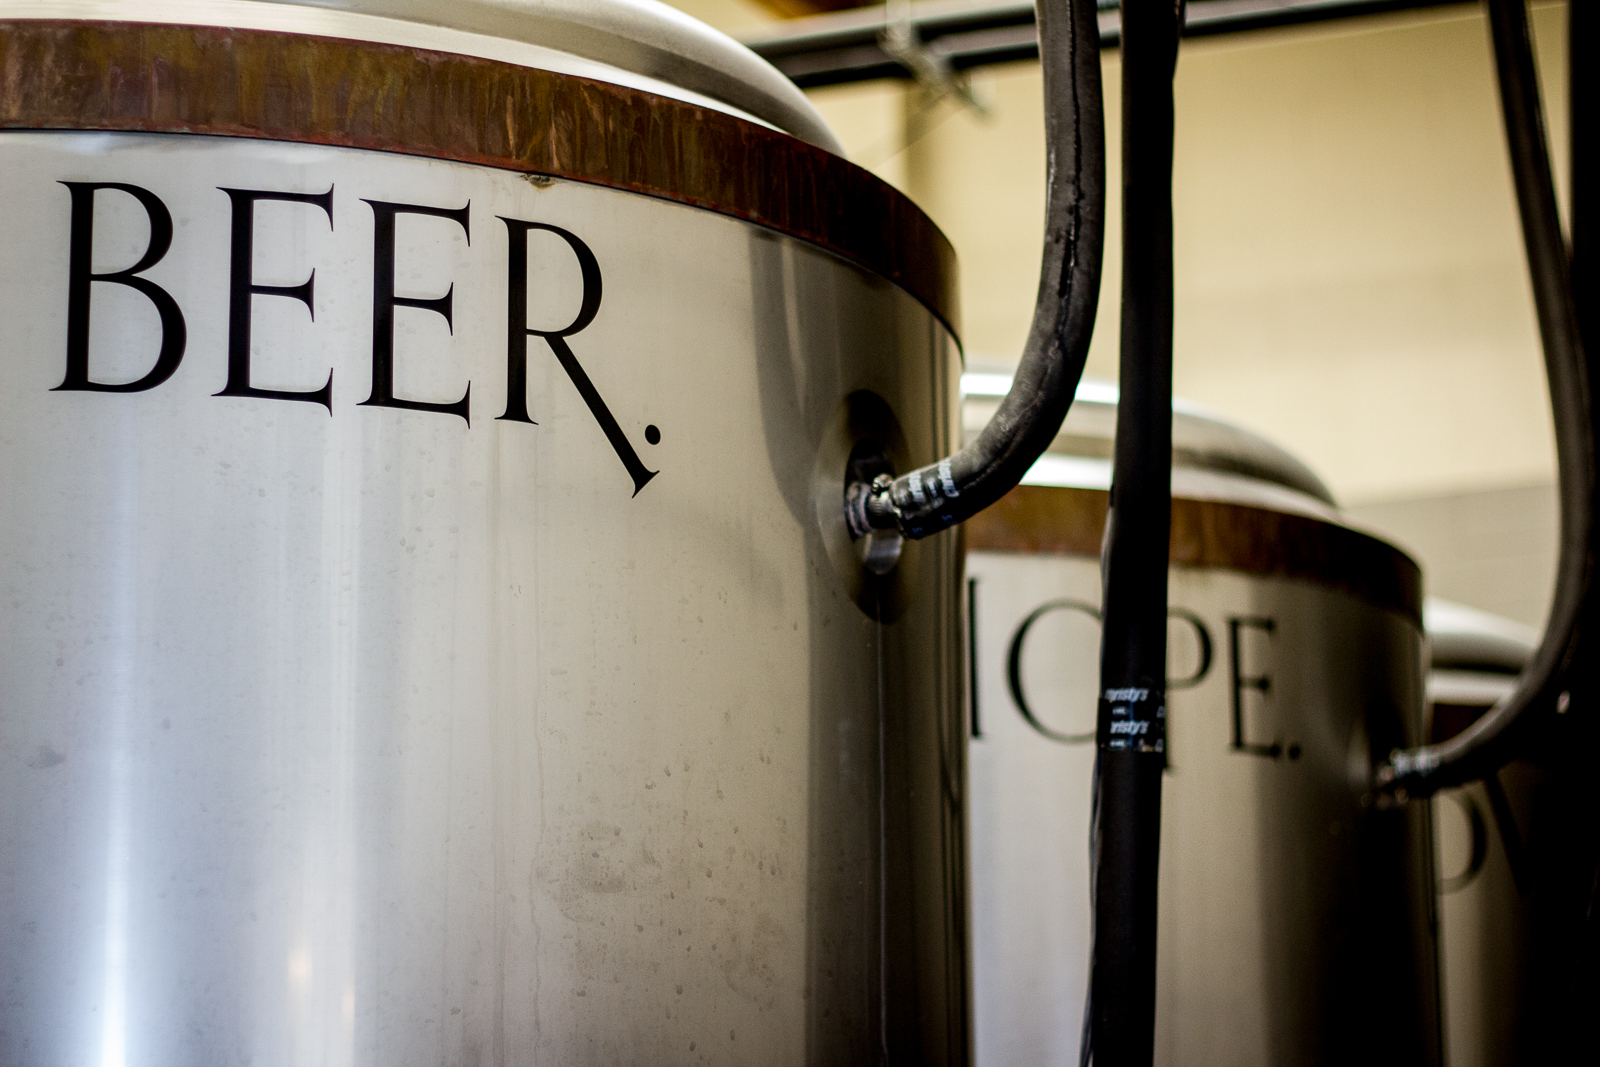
(864, 440)
(869, 462)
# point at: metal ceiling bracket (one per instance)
(960, 35)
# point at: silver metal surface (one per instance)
(1466, 639)
(640, 43)
(1289, 907)
(372, 735)
(644, 36)
(1484, 909)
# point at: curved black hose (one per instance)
(943, 494)
(1500, 734)
(1132, 723)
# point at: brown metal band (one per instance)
(120, 76)
(1209, 533)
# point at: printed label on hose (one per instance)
(1133, 719)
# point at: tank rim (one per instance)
(1061, 520)
(640, 36)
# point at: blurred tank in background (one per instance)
(1493, 873)
(1297, 916)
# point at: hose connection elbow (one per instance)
(874, 522)
(938, 496)
(868, 507)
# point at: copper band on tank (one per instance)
(72, 75)
(1209, 533)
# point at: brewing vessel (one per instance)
(1296, 910)
(431, 633)
(1490, 864)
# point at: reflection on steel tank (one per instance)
(1484, 867)
(1296, 913)
(431, 635)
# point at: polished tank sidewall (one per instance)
(363, 734)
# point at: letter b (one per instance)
(81, 277)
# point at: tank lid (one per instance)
(1205, 446)
(1466, 639)
(644, 37)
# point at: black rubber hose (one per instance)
(1504, 731)
(1126, 846)
(925, 501)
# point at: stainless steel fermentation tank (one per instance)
(1296, 914)
(430, 629)
(1499, 845)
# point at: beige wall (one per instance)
(1494, 549)
(729, 16)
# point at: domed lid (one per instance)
(642, 36)
(1474, 657)
(1465, 638)
(641, 43)
(1239, 503)
(1211, 457)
